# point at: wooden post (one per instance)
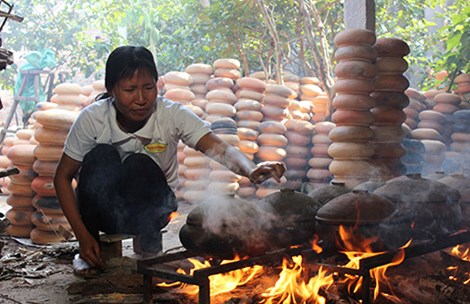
(359, 14)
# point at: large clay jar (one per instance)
(371, 222)
(462, 184)
(225, 227)
(435, 206)
(294, 214)
(326, 193)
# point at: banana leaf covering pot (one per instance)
(225, 227)
(435, 206)
(371, 222)
(294, 214)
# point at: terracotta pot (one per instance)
(366, 216)
(435, 206)
(326, 193)
(295, 213)
(461, 184)
(225, 228)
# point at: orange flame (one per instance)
(289, 290)
(463, 253)
(173, 215)
(219, 283)
(356, 252)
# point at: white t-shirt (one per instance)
(169, 123)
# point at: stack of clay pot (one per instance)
(430, 94)
(261, 75)
(249, 146)
(222, 180)
(200, 74)
(299, 135)
(91, 91)
(177, 88)
(311, 91)
(220, 98)
(276, 101)
(180, 155)
(196, 171)
(21, 156)
(447, 104)
(462, 82)
(318, 173)
(5, 164)
(272, 147)
(390, 100)
(227, 67)
(176, 85)
(293, 82)
(431, 124)
(413, 160)
(355, 73)
(249, 116)
(249, 92)
(415, 106)
(69, 96)
(52, 128)
(457, 158)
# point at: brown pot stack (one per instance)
(21, 156)
(390, 100)
(52, 128)
(355, 72)
(313, 93)
(299, 133)
(250, 94)
(200, 74)
(69, 96)
(319, 174)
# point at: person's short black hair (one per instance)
(124, 61)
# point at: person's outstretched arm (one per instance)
(232, 158)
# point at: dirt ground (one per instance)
(32, 274)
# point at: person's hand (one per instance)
(90, 251)
(266, 170)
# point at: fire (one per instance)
(356, 252)
(219, 283)
(289, 290)
(173, 215)
(463, 253)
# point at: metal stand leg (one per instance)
(204, 292)
(4, 131)
(148, 289)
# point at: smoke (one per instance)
(243, 220)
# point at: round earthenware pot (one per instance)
(225, 227)
(435, 206)
(359, 220)
(294, 217)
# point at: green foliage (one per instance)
(455, 59)
(181, 32)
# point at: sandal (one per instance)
(82, 269)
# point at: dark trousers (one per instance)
(130, 197)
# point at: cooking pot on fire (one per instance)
(226, 227)
(359, 218)
(294, 214)
(435, 206)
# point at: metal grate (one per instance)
(157, 268)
